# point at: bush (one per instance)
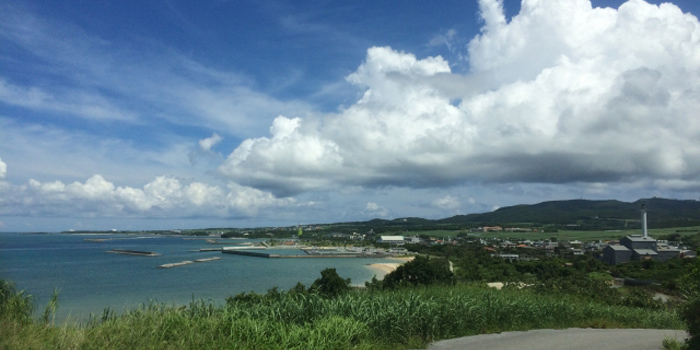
(330, 284)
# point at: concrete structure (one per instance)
(616, 254)
(665, 252)
(636, 242)
(638, 248)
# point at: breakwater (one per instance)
(132, 252)
(187, 262)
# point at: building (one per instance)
(396, 240)
(615, 254)
(638, 248)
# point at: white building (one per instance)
(397, 240)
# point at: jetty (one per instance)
(208, 249)
(133, 252)
(242, 248)
(208, 259)
(181, 263)
(187, 262)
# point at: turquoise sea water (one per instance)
(89, 279)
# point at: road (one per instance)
(565, 339)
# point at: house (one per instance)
(508, 244)
(510, 257)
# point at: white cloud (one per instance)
(68, 155)
(447, 203)
(164, 196)
(209, 142)
(563, 93)
(375, 210)
(3, 169)
(94, 79)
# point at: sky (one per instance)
(137, 115)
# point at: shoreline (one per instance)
(384, 269)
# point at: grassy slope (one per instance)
(359, 320)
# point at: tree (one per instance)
(330, 284)
(421, 271)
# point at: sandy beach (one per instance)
(384, 269)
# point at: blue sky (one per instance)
(164, 114)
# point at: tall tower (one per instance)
(644, 220)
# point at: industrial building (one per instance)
(638, 248)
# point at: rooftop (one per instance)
(640, 239)
(646, 252)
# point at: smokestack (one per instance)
(644, 220)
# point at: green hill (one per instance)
(604, 213)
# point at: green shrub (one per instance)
(330, 284)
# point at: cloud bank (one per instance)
(562, 93)
(164, 196)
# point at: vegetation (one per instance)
(376, 319)
(421, 271)
(330, 284)
(440, 294)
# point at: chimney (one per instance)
(644, 220)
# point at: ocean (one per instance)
(89, 279)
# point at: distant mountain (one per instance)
(568, 214)
(660, 212)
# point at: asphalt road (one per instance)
(565, 339)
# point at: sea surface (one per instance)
(89, 279)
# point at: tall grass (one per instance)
(356, 320)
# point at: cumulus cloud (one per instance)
(164, 196)
(561, 93)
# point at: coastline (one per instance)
(384, 269)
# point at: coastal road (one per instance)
(565, 339)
